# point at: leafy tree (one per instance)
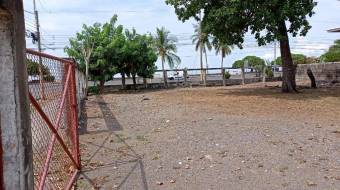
(95, 46)
(239, 64)
(222, 48)
(297, 60)
(147, 59)
(166, 49)
(230, 20)
(202, 41)
(333, 53)
(82, 46)
(255, 62)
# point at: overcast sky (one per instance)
(61, 19)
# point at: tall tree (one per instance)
(202, 41)
(82, 46)
(230, 20)
(222, 48)
(165, 46)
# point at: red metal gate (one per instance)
(54, 120)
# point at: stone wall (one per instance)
(323, 72)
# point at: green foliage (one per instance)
(297, 60)
(239, 64)
(93, 90)
(251, 61)
(201, 39)
(109, 50)
(269, 72)
(333, 53)
(230, 20)
(165, 46)
(33, 70)
(255, 62)
(227, 75)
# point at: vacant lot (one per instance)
(234, 138)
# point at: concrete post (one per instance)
(223, 77)
(15, 129)
(185, 76)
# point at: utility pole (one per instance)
(41, 74)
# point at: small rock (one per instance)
(167, 121)
(172, 181)
(209, 157)
(145, 99)
(115, 186)
(159, 183)
(187, 166)
(260, 165)
(210, 119)
(310, 183)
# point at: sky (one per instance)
(61, 19)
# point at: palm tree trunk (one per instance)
(164, 74)
(222, 62)
(243, 76)
(201, 63)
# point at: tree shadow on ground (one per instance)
(305, 93)
(130, 155)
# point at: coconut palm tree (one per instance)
(222, 48)
(202, 42)
(166, 50)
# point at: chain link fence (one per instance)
(54, 120)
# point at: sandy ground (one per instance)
(234, 138)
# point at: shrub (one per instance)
(227, 75)
(269, 72)
(93, 90)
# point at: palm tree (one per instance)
(222, 48)
(202, 41)
(166, 50)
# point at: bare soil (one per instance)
(235, 138)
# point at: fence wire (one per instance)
(51, 83)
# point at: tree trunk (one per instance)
(164, 74)
(311, 77)
(123, 81)
(86, 77)
(243, 76)
(222, 62)
(101, 86)
(145, 83)
(201, 63)
(264, 74)
(288, 67)
(134, 82)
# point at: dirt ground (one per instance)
(234, 138)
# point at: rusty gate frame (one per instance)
(70, 82)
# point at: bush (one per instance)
(227, 75)
(269, 72)
(93, 90)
